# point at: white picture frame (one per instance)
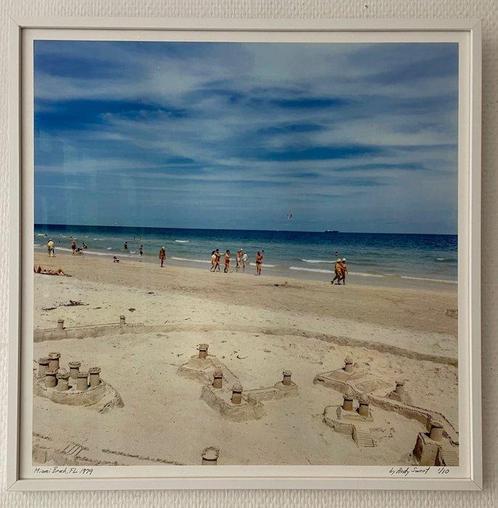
(468, 35)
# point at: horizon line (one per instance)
(243, 229)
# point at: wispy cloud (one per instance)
(355, 136)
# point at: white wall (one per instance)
(487, 10)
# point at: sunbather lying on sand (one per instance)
(49, 271)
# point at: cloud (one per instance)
(269, 124)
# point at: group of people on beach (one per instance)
(241, 259)
(140, 249)
(340, 271)
(78, 250)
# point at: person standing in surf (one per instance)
(259, 262)
(162, 255)
(238, 259)
(227, 261)
(51, 248)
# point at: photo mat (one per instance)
(261, 147)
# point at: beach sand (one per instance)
(257, 326)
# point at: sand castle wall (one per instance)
(356, 380)
(81, 332)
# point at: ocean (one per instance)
(373, 257)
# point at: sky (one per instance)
(307, 137)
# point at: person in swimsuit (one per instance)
(115, 259)
(162, 255)
(344, 271)
(259, 262)
(125, 246)
(238, 259)
(50, 248)
(244, 260)
(141, 250)
(217, 260)
(74, 247)
(227, 261)
(338, 272)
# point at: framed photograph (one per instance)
(248, 245)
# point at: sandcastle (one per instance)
(350, 420)
(220, 388)
(351, 373)
(223, 391)
(73, 387)
(202, 366)
(400, 394)
(210, 456)
(432, 448)
(355, 382)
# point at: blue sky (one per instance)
(354, 137)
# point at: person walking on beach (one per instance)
(74, 246)
(217, 253)
(338, 272)
(344, 271)
(162, 255)
(51, 248)
(244, 260)
(238, 259)
(259, 262)
(141, 250)
(227, 261)
(125, 246)
(213, 261)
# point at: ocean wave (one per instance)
(316, 270)
(363, 274)
(317, 261)
(321, 270)
(94, 252)
(429, 279)
(264, 265)
(446, 260)
(182, 241)
(108, 254)
(191, 260)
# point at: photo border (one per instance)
(290, 477)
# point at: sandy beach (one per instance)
(257, 326)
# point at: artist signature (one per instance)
(405, 471)
(64, 470)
